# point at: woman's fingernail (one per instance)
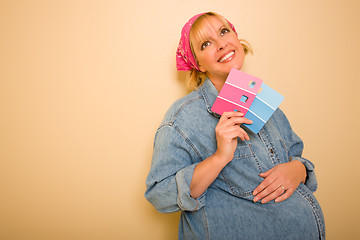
(255, 192)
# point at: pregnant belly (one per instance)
(294, 218)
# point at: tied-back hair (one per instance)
(196, 78)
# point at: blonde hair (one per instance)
(196, 78)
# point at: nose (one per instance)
(221, 44)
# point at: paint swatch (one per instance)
(249, 95)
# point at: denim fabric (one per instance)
(226, 210)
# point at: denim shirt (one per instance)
(225, 210)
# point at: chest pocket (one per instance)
(242, 173)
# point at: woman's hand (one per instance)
(227, 131)
(280, 182)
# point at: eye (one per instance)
(205, 44)
(224, 31)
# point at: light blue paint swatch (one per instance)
(265, 104)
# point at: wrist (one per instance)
(220, 160)
(302, 170)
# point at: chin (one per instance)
(236, 66)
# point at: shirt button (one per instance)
(272, 151)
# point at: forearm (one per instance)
(205, 173)
(227, 131)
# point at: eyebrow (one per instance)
(202, 41)
(222, 26)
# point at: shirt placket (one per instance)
(270, 147)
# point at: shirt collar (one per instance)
(209, 93)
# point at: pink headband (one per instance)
(185, 60)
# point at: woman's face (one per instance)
(219, 52)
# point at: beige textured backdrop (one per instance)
(84, 85)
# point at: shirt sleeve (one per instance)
(173, 163)
(310, 181)
(294, 146)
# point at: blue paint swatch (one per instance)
(265, 104)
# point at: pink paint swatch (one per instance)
(238, 92)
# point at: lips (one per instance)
(228, 57)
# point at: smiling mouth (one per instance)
(227, 56)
